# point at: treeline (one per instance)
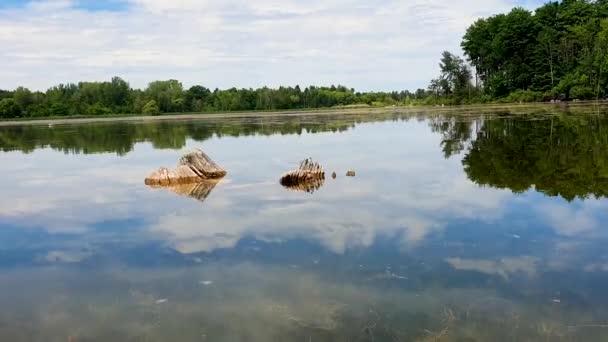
(117, 97)
(559, 51)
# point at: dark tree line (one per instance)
(117, 97)
(558, 51)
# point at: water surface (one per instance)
(476, 227)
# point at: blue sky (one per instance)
(90, 5)
(379, 45)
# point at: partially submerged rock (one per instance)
(309, 176)
(193, 167)
(350, 173)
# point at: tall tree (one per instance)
(455, 79)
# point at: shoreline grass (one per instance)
(464, 109)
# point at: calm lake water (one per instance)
(479, 227)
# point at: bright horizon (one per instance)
(384, 46)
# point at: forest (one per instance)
(117, 97)
(557, 52)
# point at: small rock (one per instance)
(350, 173)
(333, 175)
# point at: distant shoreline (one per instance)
(294, 113)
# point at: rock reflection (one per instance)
(199, 191)
(309, 186)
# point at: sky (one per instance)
(368, 45)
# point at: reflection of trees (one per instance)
(563, 156)
(455, 134)
(120, 137)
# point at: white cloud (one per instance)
(384, 45)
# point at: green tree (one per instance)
(547, 39)
(555, 49)
(5, 94)
(9, 109)
(151, 108)
(601, 57)
(23, 97)
(454, 82)
(99, 109)
(196, 97)
(59, 109)
(165, 93)
(118, 93)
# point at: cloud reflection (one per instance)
(340, 217)
(504, 267)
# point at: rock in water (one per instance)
(309, 176)
(333, 175)
(350, 173)
(193, 167)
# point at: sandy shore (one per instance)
(190, 116)
(467, 109)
